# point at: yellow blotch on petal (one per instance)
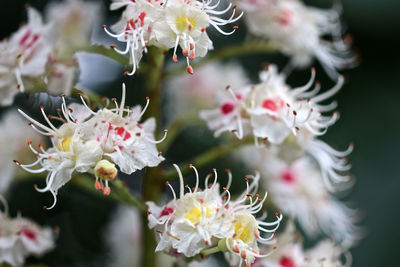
(182, 23)
(195, 215)
(244, 228)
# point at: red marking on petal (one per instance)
(286, 262)
(29, 234)
(227, 107)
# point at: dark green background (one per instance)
(369, 105)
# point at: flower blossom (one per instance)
(298, 31)
(24, 55)
(21, 238)
(206, 219)
(333, 163)
(74, 22)
(290, 253)
(271, 110)
(168, 24)
(201, 87)
(94, 142)
(298, 189)
(13, 138)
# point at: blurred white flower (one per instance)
(327, 254)
(168, 24)
(93, 142)
(207, 219)
(298, 31)
(298, 189)
(182, 91)
(271, 110)
(24, 55)
(21, 238)
(74, 21)
(13, 139)
(289, 251)
(124, 238)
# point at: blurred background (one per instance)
(369, 105)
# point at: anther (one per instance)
(190, 70)
(106, 190)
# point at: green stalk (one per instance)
(207, 157)
(152, 182)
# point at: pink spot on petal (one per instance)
(288, 176)
(227, 108)
(286, 262)
(166, 211)
(286, 17)
(28, 233)
(270, 105)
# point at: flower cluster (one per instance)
(24, 55)
(168, 24)
(21, 238)
(271, 110)
(298, 31)
(290, 252)
(201, 87)
(41, 52)
(94, 142)
(298, 189)
(200, 220)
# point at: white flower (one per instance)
(272, 109)
(289, 251)
(168, 24)
(298, 31)
(124, 238)
(298, 189)
(327, 254)
(21, 238)
(61, 79)
(129, 144)
(94, 142)
(184, 91)
(24, 55)
(207, 219)
(333, 163)
(13, 139)
(135, 28)
(74, 21)
(185, 24)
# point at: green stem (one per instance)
(152, 182)
(208, 251)
(119, 192)
(176, 127)
(98, 49)
(207, 157)
(229, 52)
